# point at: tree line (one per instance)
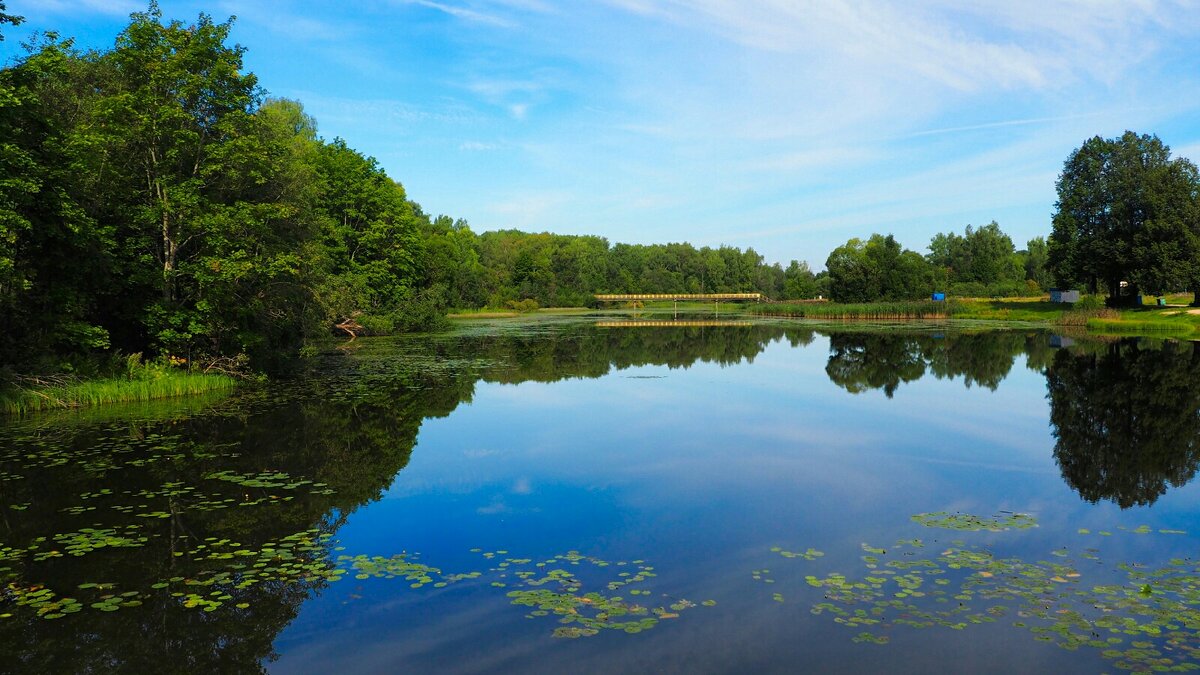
(155, 199)
(1127, 222)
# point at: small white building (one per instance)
(1060, 295)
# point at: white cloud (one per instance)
(523, 210)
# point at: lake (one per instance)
(600, 495)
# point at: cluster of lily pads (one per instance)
(1142, 619)
(553, 587)
(268, 479)
(972, 523)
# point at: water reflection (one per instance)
(1127, 419)
(863, 361)
(164, 504)
(1126, 416)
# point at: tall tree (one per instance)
(183, 97)
(1126, 212)
(54, 256)
(877, 269)
(984, 255)
(1035, 259)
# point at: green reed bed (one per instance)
(35, 395)
(1140, 326)
(923, 309)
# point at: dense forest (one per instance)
(155, 199)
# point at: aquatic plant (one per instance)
(1139, 617)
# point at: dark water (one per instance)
(700, 499)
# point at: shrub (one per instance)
(523, 306)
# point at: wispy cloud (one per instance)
(527, 208)
(477, 146)
(998, 125)
(464, 13)
(281, 19)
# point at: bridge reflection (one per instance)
(672, 324)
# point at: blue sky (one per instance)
(785, 125)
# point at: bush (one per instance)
(523, 306)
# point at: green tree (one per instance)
(370, 234)
(980, 256)
(1126, 212)
(877, 269)
(55, 258)
(799, 282)
(1035, 259)
(11, 19)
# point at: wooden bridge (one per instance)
(680, 297)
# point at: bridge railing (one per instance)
(630, 297)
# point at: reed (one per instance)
(21, 399)
(1140, 326)
(920, 309)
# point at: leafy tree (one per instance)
(983, 256)
(54, 256)
(877, 269)
(11, 19)
(1035, 259)
(1128, 212)
(370, 234)
(202, 192)
(799, 282)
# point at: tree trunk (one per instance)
(170, 254)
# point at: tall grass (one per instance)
(917, 309)
(1140, 326)
(140, 382)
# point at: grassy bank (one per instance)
(1140, 326)
(32, 395)
(922, 309)
(1176, 321)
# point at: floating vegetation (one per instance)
(810, 554)
(1139, 618)
(551, 587)
(762, 575)
(267, 479)
(555, 587)
(972, 523)
(90, 539)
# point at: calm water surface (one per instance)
(558, 496)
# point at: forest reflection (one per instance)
(1125, 415)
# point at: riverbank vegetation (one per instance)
(140, 382)
(869, 310)
(1089, 314)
